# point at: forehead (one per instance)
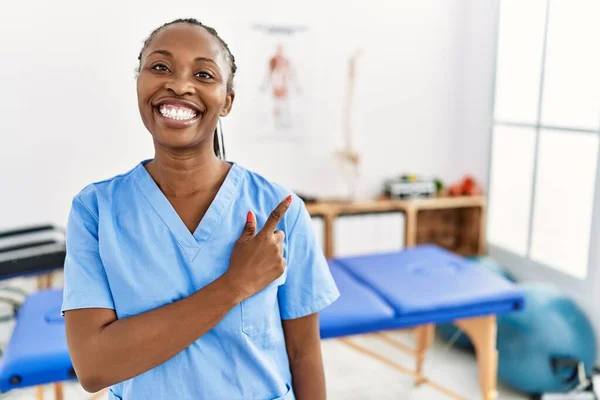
(187, 41)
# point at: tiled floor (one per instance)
(353, 376)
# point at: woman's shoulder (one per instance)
(269, 192)
(261, 185)
(258, 181)
(105, 188)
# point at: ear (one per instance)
(228, 104)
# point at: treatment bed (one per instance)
(418, 288)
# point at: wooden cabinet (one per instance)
(455, 223)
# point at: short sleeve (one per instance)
(309, 286)
(86, 284)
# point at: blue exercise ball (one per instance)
(540, 346)
(493, 266)
(449, 332)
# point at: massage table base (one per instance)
(481, 331)
(59, 392)
(44, 281)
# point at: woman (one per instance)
(189, 277)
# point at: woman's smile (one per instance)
(176, 113)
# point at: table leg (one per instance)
(399, 367)
(44, 281)
(410, 229)
(39, 393)
(329, 239)
(58, 391)
(482, 332)
(424, 336)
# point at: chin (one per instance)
(178, 139)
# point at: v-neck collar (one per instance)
(190, 243)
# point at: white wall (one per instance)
(478, 75)
(69, 112)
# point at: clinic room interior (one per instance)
(403, 193)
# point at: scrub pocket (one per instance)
(289, 395)
(258, 310)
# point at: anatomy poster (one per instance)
(276, 74)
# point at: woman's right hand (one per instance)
(257, 258)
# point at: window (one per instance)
(511, 184)
(546, 132)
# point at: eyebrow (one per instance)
(169, 54)
(210, 60)
(163, 52)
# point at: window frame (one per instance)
(524, 267)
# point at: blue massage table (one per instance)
(413, 288)
(37, 353)
(419, 288)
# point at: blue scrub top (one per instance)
(128, 250)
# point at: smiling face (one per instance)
(182, 86)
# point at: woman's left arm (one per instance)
(303, 343)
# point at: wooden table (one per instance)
(469, 221)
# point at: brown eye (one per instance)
(203, 75)
(159, 67)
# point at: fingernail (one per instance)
(289, 198)
(249, 216)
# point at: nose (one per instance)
(179, 85)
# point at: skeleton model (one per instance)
(348, 159)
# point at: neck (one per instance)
(180, 175)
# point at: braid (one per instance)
(228, 56)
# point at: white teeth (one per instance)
(176, 113)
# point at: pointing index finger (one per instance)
(277, 215)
